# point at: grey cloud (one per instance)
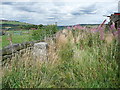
(59, 4)
(51, 18)
(27, 9)
(82, 12)
(7, 3)
(54, 11)
(85, 10)
(23, 6)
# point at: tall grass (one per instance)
(88, 63)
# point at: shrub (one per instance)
(43, 32)
(38, 34)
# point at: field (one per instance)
(79, 57)
(17, 37)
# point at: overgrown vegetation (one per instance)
(88, 63)
(43, 32)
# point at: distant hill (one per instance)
(11, 25)
(16, 25)
(88, 25)
(13, 22)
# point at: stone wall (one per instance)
(10, 50)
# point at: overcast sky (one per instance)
(65, 12)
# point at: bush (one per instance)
(43, 32)
(38, 34)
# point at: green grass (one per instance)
(93, 66)
(17, 37)
(14, 22)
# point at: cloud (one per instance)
(85, 10)
(64, 12)
(7, 3)
(59, 0)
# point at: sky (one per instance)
(64, 12)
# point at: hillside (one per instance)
(13, 22)
(11, 25)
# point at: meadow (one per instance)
(78, 58)
(17, 37)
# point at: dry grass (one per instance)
(109, 38)
(63, 37)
